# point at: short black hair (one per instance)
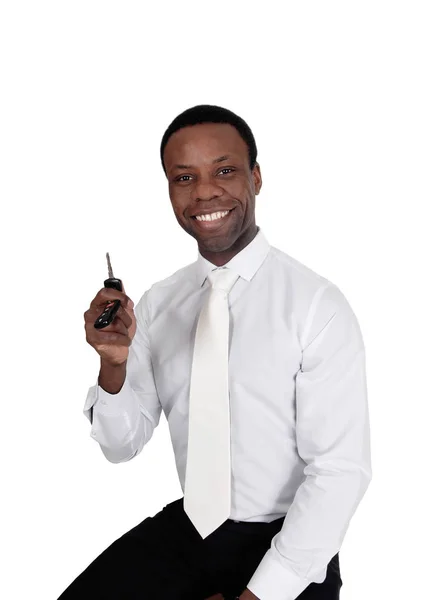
(207, 113)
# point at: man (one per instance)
(259, 366)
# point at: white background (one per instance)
(338, 95)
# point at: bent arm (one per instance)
(333, 439)
(124, 422)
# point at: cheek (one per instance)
(178, 202)
(237, 189)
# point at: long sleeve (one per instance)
(333, 439)
(123, 423)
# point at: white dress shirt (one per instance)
(300, 440)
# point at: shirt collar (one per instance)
(246, 263)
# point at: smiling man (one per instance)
(213, 191)
(258, 364)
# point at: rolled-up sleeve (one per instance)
(123, 423)
(333, 439)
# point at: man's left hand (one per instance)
(248, 595)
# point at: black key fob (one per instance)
(111, 309)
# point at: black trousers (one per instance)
(165, 558)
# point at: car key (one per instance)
(110, 311)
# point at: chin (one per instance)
(216, 244)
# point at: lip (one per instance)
(214, 210)
(212, 225)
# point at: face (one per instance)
(208, 171)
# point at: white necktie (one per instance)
(207, 495)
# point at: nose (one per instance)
(206, 190)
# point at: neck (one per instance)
(219, 259)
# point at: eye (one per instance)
(226, 169)
(181, 178)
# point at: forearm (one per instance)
(313, 530)
(119, 425)
(112, 377)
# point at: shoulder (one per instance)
(176, 279)
(315, 298)
(306, 285)
(297, 270)
(164, 290)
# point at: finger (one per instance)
(117, 326)
(124, 316)
(111, 337)
(105, 295)
(121, 316)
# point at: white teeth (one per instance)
(213, 216)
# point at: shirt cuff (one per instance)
(273, 581)
(109, 404)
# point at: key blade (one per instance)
(110, 271)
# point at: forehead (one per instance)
(197, 144)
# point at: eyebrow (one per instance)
(216, 160)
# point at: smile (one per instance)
(213, 220)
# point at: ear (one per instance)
(257, 179)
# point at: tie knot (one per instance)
(223, 279)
